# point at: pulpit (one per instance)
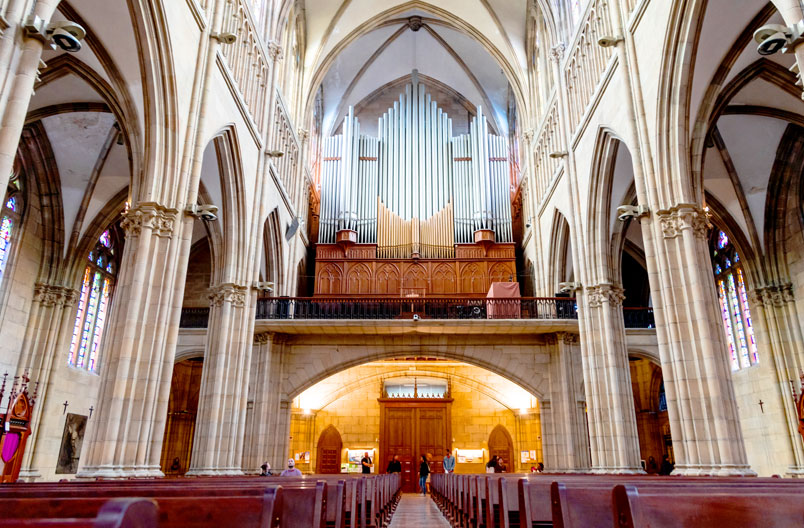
(503, 301)
(16, 427)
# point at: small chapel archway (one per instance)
(502, 445)
(185, 388)
(650, 404)
(329, 451)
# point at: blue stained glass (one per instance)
(105, 239)
(728, 263)
(82, 302)
(109, 268)
(747, 316)
(718, 270)
(736, 257)
(11, 203)
(89, 322)
(735, 365)
(738, 323)
(99, 262)
(6, 227)
(99, 324)
(722, 240)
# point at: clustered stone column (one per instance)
(221, 418)
(564, 435)
(702, 408)
(48, 331)
(269, 429)
(126, 438)
(607, 379)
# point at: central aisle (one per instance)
(414, 509)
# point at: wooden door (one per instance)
(410, 428)
(328, 457)
(185, 388)
(500, 444)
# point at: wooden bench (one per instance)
(115, 513)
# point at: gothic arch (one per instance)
(501, 444)
(274, 251)
(444, 279)
(416, 279)
(359, 280)
(560, 260)
(328, 451)
(387, 280)
(472, 279)
(330, 280)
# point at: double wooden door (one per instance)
(410, 428)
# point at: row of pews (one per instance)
(622, 501)
(318, 501)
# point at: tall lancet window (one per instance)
(10, 221)
(733, 301)
(94, 301)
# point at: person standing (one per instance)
(292, 470)
(366, 463)
(394, 466)
(667, 467)
(449, 463)
(424, 472)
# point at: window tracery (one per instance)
(10, 220)
(94, 301)
(733, 301)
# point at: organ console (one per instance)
(414, 211)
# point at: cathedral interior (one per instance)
(559, 232)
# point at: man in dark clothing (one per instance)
(366, 463)
(667, 467)
(394, 466)
(424, 471)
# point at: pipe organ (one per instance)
(414, 194)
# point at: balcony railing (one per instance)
(423, 307)
(638, 317)
(194, 318)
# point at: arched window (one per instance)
(731, 291)
(93, 303)
(10, 221)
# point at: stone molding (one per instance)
(681, 217)
(569, 338)
(50, 295)
(263, 338)
(604, 293)
(557, 52)
(228, 293)
(149, 215)
(275, 51)
(772, 295)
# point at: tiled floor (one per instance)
(418, 511)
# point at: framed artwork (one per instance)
(71, 441)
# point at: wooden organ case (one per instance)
(414, 212)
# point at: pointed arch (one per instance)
(274, 251)
(502, 445)
(358, 279)
(328, 451)
(444, 279)
(559, 253)
(387, 280)
(330, 280)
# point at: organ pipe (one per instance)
(415, 189)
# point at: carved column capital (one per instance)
(275, 51)
(50, 295)
(557, 52)
(604, 293)
(157, 218)
(569, 338)
(681, 217)
(528, 134)
(228, 293)
(263, 338)
(773, 295)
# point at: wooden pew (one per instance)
(747, 506)
(115, 513)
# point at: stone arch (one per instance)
(523, 370)
(273, 251)
(502, 444)
(560, 251)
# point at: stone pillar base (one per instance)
(720, 470)
(795, 472)
(120, 472)
(29, 475)
(617, 471)
(214, 472)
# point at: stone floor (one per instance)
(414, 509)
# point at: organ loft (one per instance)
(414, 211)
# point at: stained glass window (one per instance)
(10, 219)
(733, 299)
(93, 304)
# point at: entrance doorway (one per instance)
(328, 459)
(501, 444)
(411, 427)
(185, 388)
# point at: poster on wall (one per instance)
(354, 456)
(524, 457)
(71, 442)
(303, 457)
(470, 456)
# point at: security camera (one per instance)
(608, 41)
(274, 153)
(65, 34)
(773, 38)
(264, 286)
(225, 37)
(415, 317)
(626, 212)
(204, 212)
(566, 287)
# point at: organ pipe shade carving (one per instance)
(415, 190)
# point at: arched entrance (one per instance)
(182, 408)
(501, 444)
(653, 423)
(328, 459)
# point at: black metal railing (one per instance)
(194, 318)
(409, 308)
(639, 317)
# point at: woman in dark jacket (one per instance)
(424, 470)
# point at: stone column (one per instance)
(565, 436)
(46, 338)
(125, 435)
(607, 381)
(707, 439)
(267, 440)
(220, 425)
(777, 323)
